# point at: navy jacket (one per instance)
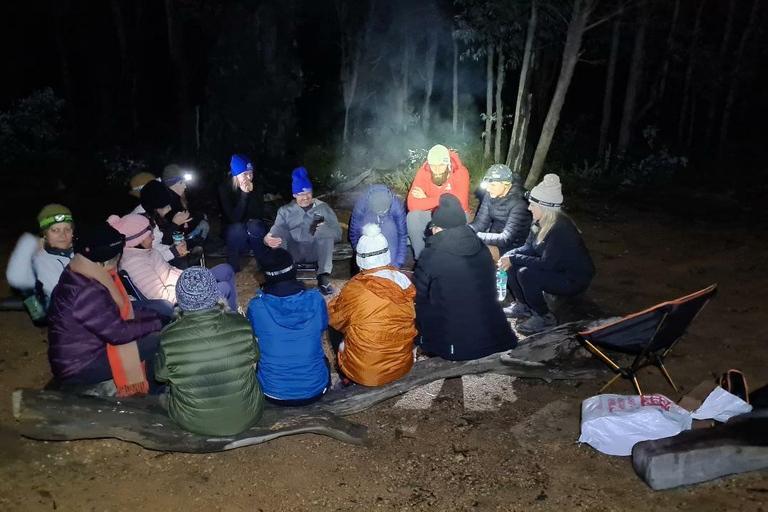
(392, 224)
(503, 222)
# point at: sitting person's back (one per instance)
(457, 312)
(208, 356)
(375, 312)
(288, 321)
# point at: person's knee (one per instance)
(524, 274)
(223, 272)
(236, 232)
(256, 229)
(225, 290)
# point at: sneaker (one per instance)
(518, 310)
(537, 323)
(324, 284)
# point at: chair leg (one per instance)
(663, 369)
(637, 385)
(610, 382)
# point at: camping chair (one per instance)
(648, 335)
(133, 293)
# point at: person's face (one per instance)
(162, 212)
(304, 199)
(536, 211)
(498, 189)
(244, 177)
(438, 169)
(59, 236)
(147, 242)
(179, 187)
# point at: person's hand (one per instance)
(182, 249)
(272, 242)
(246, 186)
(504, 263)
(418, 193)
(181, 218)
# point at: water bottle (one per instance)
(501, 284)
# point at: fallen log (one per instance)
(696, 456)
(55, 416)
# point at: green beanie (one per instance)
(53, 214)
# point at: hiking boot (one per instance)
(537, 323)
(324, 284)
(518, 310)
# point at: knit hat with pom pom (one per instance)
(548, 193)
(372, 248)
(136, 228)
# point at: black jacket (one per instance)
(457, 313)
(239, 207)
(562, 250)
(503, 221)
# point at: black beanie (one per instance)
(277, 265)
(449, 213)
(99, 242)
(154, 195)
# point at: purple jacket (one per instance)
(392, 224)
(83, 318)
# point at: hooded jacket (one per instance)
(503, 222)
(289, 330)
(208, 356)
(151, 274)
(392, 224)
(375, 312)
(457, 184)
(457, 312)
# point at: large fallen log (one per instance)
(696, 456)
(55, 416)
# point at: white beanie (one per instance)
(438, 155)
(548, 193)
(372, 248)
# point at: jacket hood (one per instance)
(455, 161)
(459, 241)
(289, 312)
(385, 288)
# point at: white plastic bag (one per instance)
(612, 424)
(721, 405)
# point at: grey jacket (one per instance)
(293, 222)
(48, 268)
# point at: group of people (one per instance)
(181, 335)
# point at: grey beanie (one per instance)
(196, 289)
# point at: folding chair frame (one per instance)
(644, 358)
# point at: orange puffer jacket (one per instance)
(376, 314)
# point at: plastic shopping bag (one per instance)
(612, 424)
(721, 405)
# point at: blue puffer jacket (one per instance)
(289, 330)
(392, 224)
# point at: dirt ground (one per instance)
(522, 457)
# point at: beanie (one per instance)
(138, 181)
(53, 214)
(300, 181)
(172, 174)
(134, 227)
(154, 195)
(277, 265)
(438, 155)
(501, 173)
(449, 213)
(372, 248)
(196, 289)
(99, 242)
(380, 200)
(548, 193)
(240, 164)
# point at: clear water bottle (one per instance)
(501, 284)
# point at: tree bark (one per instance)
(689, 72)
(633, 83)
(605, 125)
(721, 54)
(522, 134)
(499, 106)
(670, 43)
(455, 124)
(582, 9)
(176, 49)
(488, 103)
(431, 58)
(515, 146)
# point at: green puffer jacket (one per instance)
(208, 358)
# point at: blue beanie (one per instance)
(300, 181)
(196, 289)
(240, 164)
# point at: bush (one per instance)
(32, 128)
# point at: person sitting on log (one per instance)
(95, 333)
(375, 313)
(502, 220)
(442, 173)
(152, 275)
(378, 205)
(242, 208)
(208, 356)
(289, 321)
(307, 228)
(458, 315)
(554, 259)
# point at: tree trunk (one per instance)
(581, 12)
(605, 125)
(176, 50)
(455, 124)
(689, 72)
(633, 83)
(499, 106)
(515, 147)
(522, 135)
(670, 43)
(712, 112)
(488, 104)
(431, 58)
(402, 84)
(737, 63)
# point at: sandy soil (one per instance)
(522, 457)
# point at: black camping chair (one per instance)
(133, 293)
(648, 335)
